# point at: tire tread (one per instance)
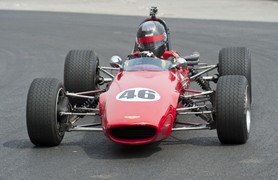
(40, 112)
(230, 105)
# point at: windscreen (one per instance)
(147, 64)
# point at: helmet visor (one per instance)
(150, 43)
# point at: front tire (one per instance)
(81, 73)
(232, 105)
(236, 61)
(44, 125)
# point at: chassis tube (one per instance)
(106, 72)
(203, 72)
(190, 113)
(77, 128)
(80, 96)
(76, 114)
(200, 127)
(196, 95)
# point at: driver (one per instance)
(151, 41)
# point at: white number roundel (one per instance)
(138, 94)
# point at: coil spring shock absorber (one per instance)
(205, 86)
(91, 103)
(202, 83)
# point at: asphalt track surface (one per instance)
(34, 44)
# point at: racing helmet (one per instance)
(151, 36)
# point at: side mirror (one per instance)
(116, 62)
(181, 63)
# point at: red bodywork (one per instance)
(132, 121)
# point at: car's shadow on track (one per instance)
(97, 146)
(100, 147)
(196, 141)
(18, 144)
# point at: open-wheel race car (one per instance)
(144, 98)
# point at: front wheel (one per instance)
(236, 61)
(232, 106)
(81, 73)
(44, 124)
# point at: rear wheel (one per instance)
(236, 61)
(81, 73)
(232, 105)
(44, 124)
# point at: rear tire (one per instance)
(43, 122)
(232, 105)
(236, 61)
(81, 73)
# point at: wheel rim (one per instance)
(96, 79)
(247, 110)
(59, 118)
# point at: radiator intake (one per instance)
(133, 132)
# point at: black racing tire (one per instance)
(81, 73)
(236, 61)
(232, 109)
(43, 122)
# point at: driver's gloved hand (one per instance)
(146, 54)
(131, 56)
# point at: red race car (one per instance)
(146, 97)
